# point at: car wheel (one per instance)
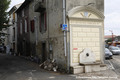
(111, 57)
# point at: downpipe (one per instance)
(64, 21)
(65, 38)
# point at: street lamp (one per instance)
(112, 35)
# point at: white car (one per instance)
(108, 54)
(114, 50)
(118, 46)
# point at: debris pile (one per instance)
(49, 65)
(33, 59)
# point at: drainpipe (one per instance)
(47, 11)
(35, 24)
(64, 21)
(65, 38)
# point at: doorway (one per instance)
(44, 55)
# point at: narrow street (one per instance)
(17, 68)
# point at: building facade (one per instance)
(23, 35)
(11, 30)
(85, 29)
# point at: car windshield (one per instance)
(115, 48)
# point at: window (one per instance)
(23, 13)
(21, 27)
(25, 26)
(32, 25)
(14, 16)
(43, 20)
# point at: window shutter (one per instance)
(25, 21)
(13, 16)
(19, 27)
(45, 21)
(32, 25)
(23, 27)
(40, 23)
(27, 25)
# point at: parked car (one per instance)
(118, 46)
(108, 54)
(1, 48)
(114, 50)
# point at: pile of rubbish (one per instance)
(33, 59)
(49, 65)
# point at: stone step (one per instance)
(88, 68)
(77, 69)
(103, 67)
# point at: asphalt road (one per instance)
(17, 68)
(114, 64)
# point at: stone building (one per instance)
(11, 39)
(85, 29)
(23, 29)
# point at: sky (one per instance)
(112, 16)
(14, 2)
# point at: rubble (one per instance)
(32, 58)
(49, 65)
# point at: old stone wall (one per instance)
(33, 16)
(56, 36)
(53, 37)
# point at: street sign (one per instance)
(64, 27)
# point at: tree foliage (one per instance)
(4, 5)
(109, 40)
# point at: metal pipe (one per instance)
(65, 38)
(47, 12)
(64, 21)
